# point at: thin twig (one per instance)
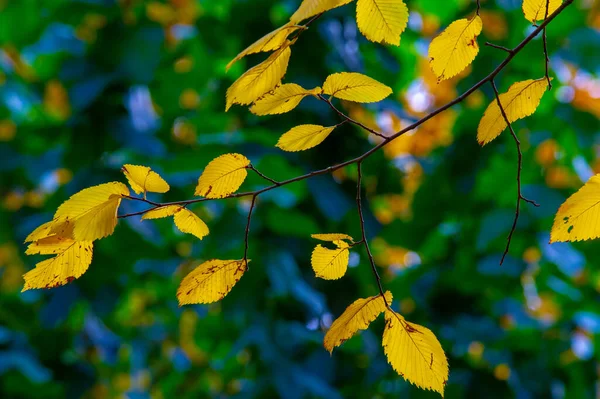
(509, 51)
(478, 7)
(247, 233)
(545, 41)
(364, 233)
(251, 167)
(519, 167)
(348, 119)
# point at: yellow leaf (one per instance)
(330, 264)
(382, 21)
(455, 48)
(49, 245)
(142, 179)
(355, 87)
(162, 212)
(91, 213)
(578, 218)
(223, 176)
(535, 10)
(310, 8)
(283, 99)
(356, 317)
(521, 100)
(210, 281)
(269, 42)
(260, 79)
(61, 269)
(415, 353)
(42, 231)
(188, 222)
(303, 137)
(331, 237)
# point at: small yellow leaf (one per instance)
(260, 79)
(330, 264)
(61, 269)
(356, 317)
(40, 232)
(578, 218)
(210, 281)
(455, 48)
(49, 245)
(91, 214)
(415, 353)
(535, 10)
(223, 176)
(310, 8)
(188, 222)
(521, 100)
(283, 99)
(162, 212)
(142, 179)
(355, 87)
(303, 137)
(382, 21)
(331, 237)
(269, 42)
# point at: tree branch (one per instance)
(247, 233)
(251, 167)
(545, 41)
(348, 119)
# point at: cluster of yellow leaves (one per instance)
(413, 350)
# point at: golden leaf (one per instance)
(210, 281)
(283, 99)
(330, 264)
(535, 10)
(162, 212)
(310, 8)
(355, 87)
(222, 176)
(49, 245)
(415, 353)
(382, 21)
(142, 179)
(303, 137)
(188, 222)
(356, 317)
(331, 237)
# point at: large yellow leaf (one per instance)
(415, 353)
(331, 237)
(260, 79)
(223, 176)
(142, 179)
(269, 42)
(162, 212)
(356, 317)
(188, 222)
(578, 218)
(210, 281)
(455, 48)
(355, 87)
(49, 245)
(310, 8)
(61, 269)
(303, 137)
(330, 264)
(535, 10)
(382, 21)
(283, 99)
(521, 100)
(40, 232)
(91, 214)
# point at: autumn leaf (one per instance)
(535, 10)
(188, 222)
(90, 214)
(455, 48)
(210, 281)
(260, 79)
(51, 245)
(281, 100)
(40, 232)
(270, 42)
(356, 317)
(66, 266)
(355, 87)
(223, 176)
(142, 179)
(303, 137)
(578, 218)
(330, 264)
(310, 8)
(162, 212)
(331, 237)
(521, 100)
(415, 353)
(382, 21)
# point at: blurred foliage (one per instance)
(89, 85)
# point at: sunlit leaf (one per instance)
(283, 99)
(142, 179)
(222, 176)
(535, 10)
(303, 137)
(310, 8)
(330, 264)
(355, 87)
(521, 100)
(210, 281)
(382, 21)
(415, 353)
(331, 237)
(356, 317)
(455, 48)
(162, 212)
(188, 222)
